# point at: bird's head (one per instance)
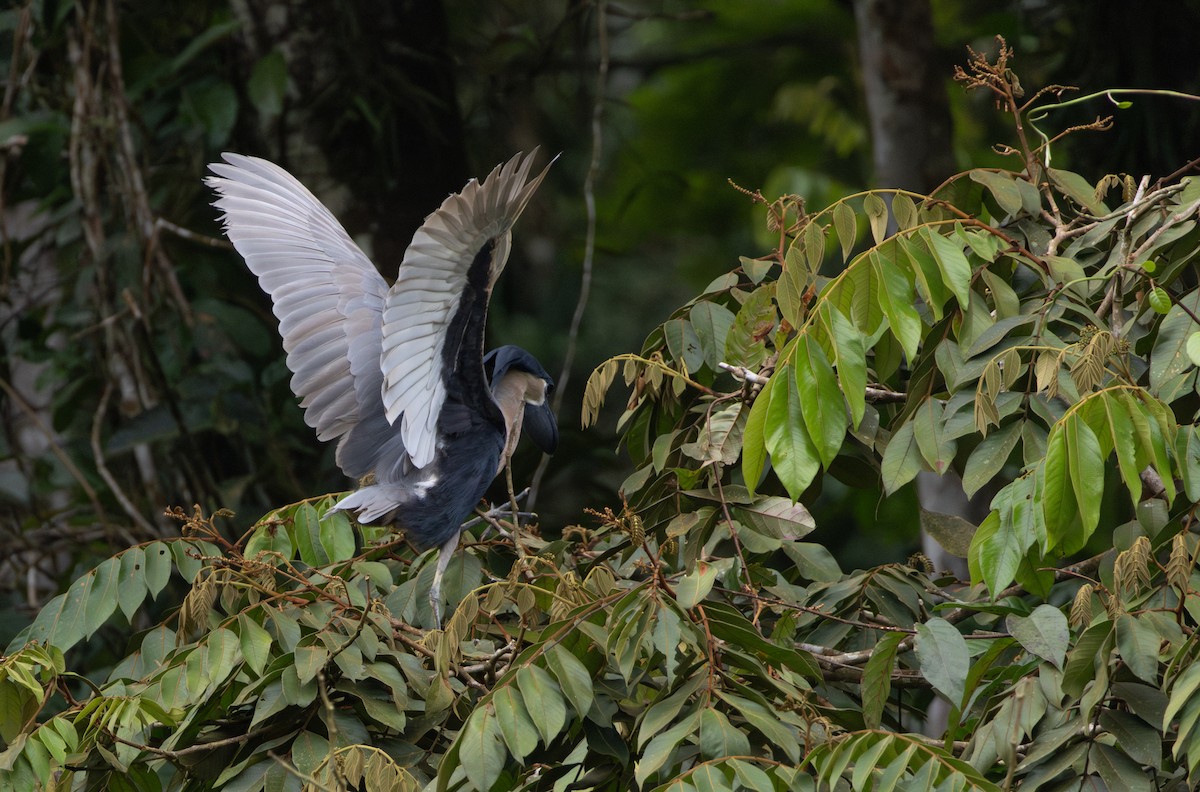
(516, 374)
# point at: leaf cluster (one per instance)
(1011, 326)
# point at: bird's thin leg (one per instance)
(512, 502)
(435, 591)
(492, 513)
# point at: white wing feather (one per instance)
(326, 293)
(421, 304)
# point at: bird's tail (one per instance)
(375, 504)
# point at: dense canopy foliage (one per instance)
(1033, 329)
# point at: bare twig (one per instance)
(874, 394)
(589, 247)
(191, 236)
(102, 469)
(743, 373)
(57, 448)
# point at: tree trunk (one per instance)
(905, 93)
(911, 147)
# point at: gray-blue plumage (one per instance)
(397, 375)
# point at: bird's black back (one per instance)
(471, 431)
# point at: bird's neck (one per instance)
(511, 394)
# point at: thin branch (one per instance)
(589, 247)
(1175, 219)
(874, 394)
(57, 448)
(102, 469)
(163, 224)
(743, 373)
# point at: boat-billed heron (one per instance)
(423, 419)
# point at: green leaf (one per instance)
(268, 83)
(61, 621)
(792, 285)
(1002, 188)
(877, 678)
(307, 529)
(269, 537)
(481, 750)
(937, 449)
(309, 750)
(683, 343)
(1118, 770)
(814, 245)
(766, 722)
(718, 737)
(516, 727)
(311, 657)
(904, 211)
(745, 344)
(952, 532)
(1092, 647)
(1160, 301)
(776, 517)
(665, 710)
(1183, 692)
(1137, 643)
(877, 213)
(158, 567)
(666, 635)
(711, 322)
(728, 624)
(1170, 356)
(1044, 633)
(849, 355)
(573, 677)
(755, 269)
(1086, 471)
(821, 401)
(901, 459)
(896, 298)
(956, 270)
(1140, 741)
(255, 643)
(1078, 189)
(792, 453)
(1193, 348)
(187, 554)
(846, 227)
(944, 658)
(754, 441)
(856, 294)
(1058, 494)
(693, 587)
(337, 536)
(544, 701)
(1187, 452)
(132, 590)
(926, 274)
(1120, 429)
(659, 750)
(989, 457)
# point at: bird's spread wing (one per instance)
(421, 304)
(327, 295)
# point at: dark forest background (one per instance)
(139, 363)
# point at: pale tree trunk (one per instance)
(905, 92)
(911, 145)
